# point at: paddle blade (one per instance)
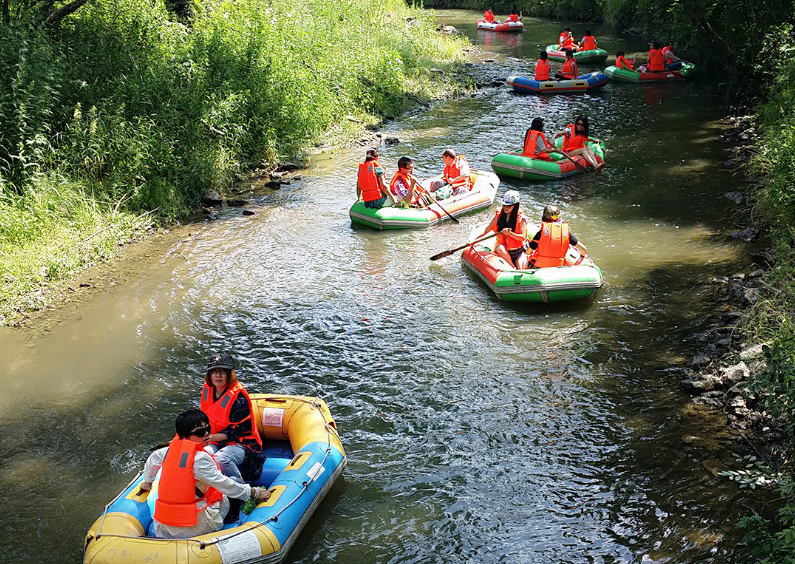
(444, 254)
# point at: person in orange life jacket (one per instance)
(235, 438)
(655, 62)
(542, 67)
(403, 185)
(535, 144)
(569, 70)
(566, 40)
(588, 42)
(552, 241)
(672, 62)
(194, 497)
(511, 224)
(513, 17)
(456, 174)
(575, 135)
(488, 15)
(623, 63)
(370, 186)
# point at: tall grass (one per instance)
(126, 102)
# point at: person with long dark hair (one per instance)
(574, 137)
(511, 226)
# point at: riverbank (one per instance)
(99, 152)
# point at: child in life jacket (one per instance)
(623, 63)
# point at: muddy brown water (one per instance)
(477, 431)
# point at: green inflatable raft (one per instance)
(516, 165)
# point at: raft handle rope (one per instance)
(105, 511)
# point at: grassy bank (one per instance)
(773, 321)
(128, 107)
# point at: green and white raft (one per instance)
(517, 165)
(481, 196)
(555, 53)
(578, 281)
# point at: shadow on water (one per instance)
(476, 430)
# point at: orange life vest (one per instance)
(531, 145)
(407, 182)
(588, 42)
(178, 503)
(542, 70)
(511, 243)
(668, 58)
(453, 170)
(218, 411)
(565, 42)
(488, 15)
(552, 245)
(656, 61)
(623, 63)
(512, 18)
(368, 182)
(573, 140)
(569, 69)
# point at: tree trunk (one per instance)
(61, 13)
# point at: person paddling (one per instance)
(511, 226)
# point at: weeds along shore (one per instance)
(119, 117)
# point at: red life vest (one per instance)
(623, 63)
(565, 42)
(668, 58)
(573, 140)
(531, 145)
(656, 61)
(588, 42)
(368, 182)
(511, 243)
(488, 15)
(569, 69)
(218, 411)
(453, 170)
(542, 70)
(407, 182)
(512, 18)
(552, 245)
(178, 503)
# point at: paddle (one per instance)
(451, 251)
(435, 201)
(576, 164)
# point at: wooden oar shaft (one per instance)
(435, 201)
(451, 251)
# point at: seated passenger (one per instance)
(511, 225)
(488, 15)
(575, 135)
(542, 67)
(566, 40)
(588, 42)
(513, 17)
(623, 63)
(569, 70)
(552, 241)
(370, 186)
(403, 185)
(456, 174)
(535, 144)
(655, 62)
(192, 494)
(672, 62)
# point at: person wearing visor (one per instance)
(193, 494)
(550, 245)
(511, 225)
(234, 436)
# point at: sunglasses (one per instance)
(201, 431)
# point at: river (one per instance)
(476, 431)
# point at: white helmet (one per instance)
(510, 198)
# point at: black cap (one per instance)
(223, 360)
